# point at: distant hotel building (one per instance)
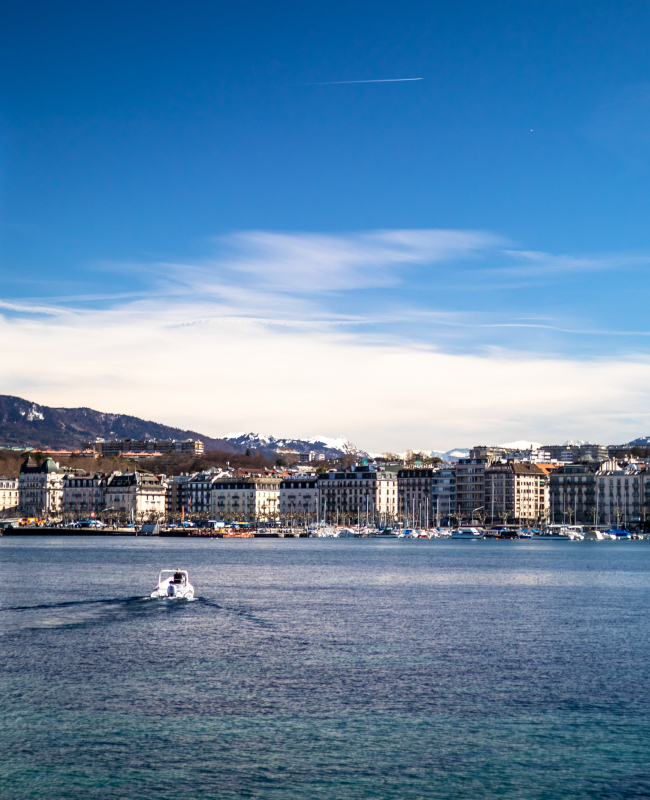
(118, 447)
(357, 492)
(40, 488)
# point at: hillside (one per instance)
(25, 423)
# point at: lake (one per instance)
(324, 668)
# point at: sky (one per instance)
(417, 225)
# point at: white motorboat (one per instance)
(174, 583)
(467, 533)
(559, 533)
(387, 533)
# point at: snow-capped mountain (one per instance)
(268, 445)
(521, 444)
(449, 455)
(642, 441)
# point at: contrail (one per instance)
(376, 80)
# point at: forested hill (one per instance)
(25, 423)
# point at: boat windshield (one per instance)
(176, 576)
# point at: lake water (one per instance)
(325, 669)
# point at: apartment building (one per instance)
(40, 488)
(136, 493)
(470, 485)
(620, 496)
(299, 496)
(573, 494)
(84, 494)
(358, 492)
(246, 499)
(515, 492)
(176, 494)
(443, 495)
(573, 453)
(415, 492)
(9, 500)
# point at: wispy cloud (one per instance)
(307, 263)
(373, 80)
(269, 316)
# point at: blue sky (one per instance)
(472, 247)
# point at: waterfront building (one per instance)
(176, 493)
(254, 498)
(40, 488)
(443, 494)
(573, 494)
(193, 495)
(299, 497)
(620, 495)
(515, 492)
(84, 494)
(118, 447)
(470, 486)
(8, 496)
(414, 493)
(357, 493)
(135, 493)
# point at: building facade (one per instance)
(358, 493)
(40, 488)
(139, 494)
(573, 494)
(516, 492)
(9, 500)
(247, 499)
(620, 496)
(299, 497)
(470, 486)
(415, 493)
(84, 494)
(118, 447)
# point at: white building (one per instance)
(619, 494)
(299, 496)
(84, 494)
(246, 499)
(358, 493)
(139, 494)
(8, 495)
(40, 488)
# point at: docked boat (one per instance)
(560, 533)
(387, 533)
(617, 533)
(596, 536)
(174, 583)
(467, 533)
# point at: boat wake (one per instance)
(76, 613)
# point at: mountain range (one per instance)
(24, 423)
